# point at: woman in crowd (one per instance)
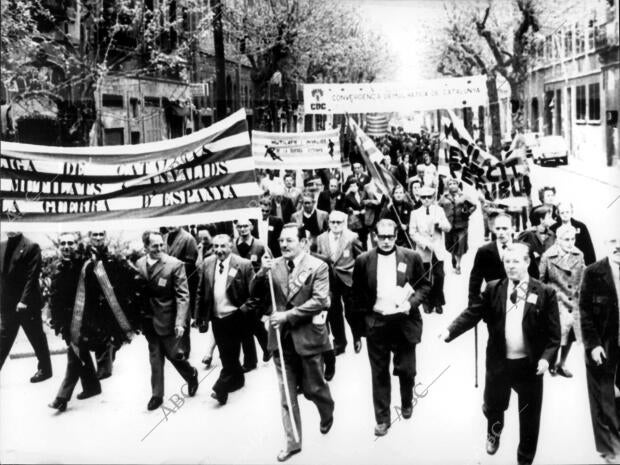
(458, 209)
(562, 267)
(582, 238)
(400, 213)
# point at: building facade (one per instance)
(573, 84)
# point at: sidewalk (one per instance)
(609, 175)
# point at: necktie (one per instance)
(221, 267)
(513, 294)
(428, 211)
(291, 265)
(149, 270)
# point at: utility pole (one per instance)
(220, 61)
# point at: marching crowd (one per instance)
(337, 250)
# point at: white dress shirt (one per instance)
(263, 230)
(386, 283)
(500, 250)
(333, 243)
(515, 341)
(223, 306)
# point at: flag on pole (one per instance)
(377, 124)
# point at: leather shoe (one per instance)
(560, 370)
(439, 309)
(154, 403)
(609, 458)
(327, 425)
(381, 429)
(492, 444)
(103, 375)
(427, 308)
(192, 384)
(357, 346)
(207, 362)
(330, 369)
(266, 356)
(339, 350)
(41, 375)
(287, 454)
(247, 368)
(221, 398)
(86, 394)
(59, 404)
(407, 412)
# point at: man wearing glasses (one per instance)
(389, 283)
(426, 226)
(248, 247)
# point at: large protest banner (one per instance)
(389, 97)
(296, 151)
(504, 182)
(204, 177)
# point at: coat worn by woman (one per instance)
(564, 272)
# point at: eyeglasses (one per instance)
(243, 225)
(98, 234)
(335, 222)
(385, 237)
(67, 243)
(426, 196)
(308, 203)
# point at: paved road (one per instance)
(447, 426)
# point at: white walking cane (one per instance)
(287, 394)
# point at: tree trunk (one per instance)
(496, 130)
(517, 100)
(220, 61)
(482, 134)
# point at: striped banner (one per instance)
(204, 177)
(377, 124)
(296, 150)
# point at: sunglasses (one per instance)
(384, 237)
(335, 222)
(67, 243)
(426, 196)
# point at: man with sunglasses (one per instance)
(426, 226)
(389, 283)
(62, 299)
(248, 247)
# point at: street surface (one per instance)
(447, 426)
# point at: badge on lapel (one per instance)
(532, 298)
(346, 253)
(402, 267)
(161, 282)
(232, 272)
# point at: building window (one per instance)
(594, 102)
(151, 101)
(568, 42)
(111, 100)
(580, 46)
(581, 103)
(591, 33)
(135, 107)
(548, 48)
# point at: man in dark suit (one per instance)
(582, 238)
(223, 296)
(540, 237)
(313, 220)
(339, 247)
(301, 289)
(269, 227)
(183, 246)
(358, 176)
(281, 206)
(250, 248)
(522, 317)
(21, 301)
(488, 265)
(330, 199)
(599, 309)
(389, 283)
(63, 290)
(168, 299)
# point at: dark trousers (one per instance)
(307, 372)
(79, 367)
(161, 347)
(342, 298)
(384, 337)
(252, 326)
(603, 408)
(435, 295)
(32, 324)
(228, 332)
(521, 376)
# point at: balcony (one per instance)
(607, 36)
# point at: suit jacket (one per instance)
(351, 204)
(255, 253)
(598, 307)
(275, 225)
(487, 267)
(537, 249)
(372, 201)
(184, 247)
(288, 208)
(240, 275)
(583, 241)
(342, 259)
(167, 292)
(295, 195)
(322, 218)
(427, 235)
(324, 201)
(365, 289)
(20, 280)
(305, 298)
(541, 323)
(361, 180)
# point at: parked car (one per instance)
(530, 140)
(551, 149)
